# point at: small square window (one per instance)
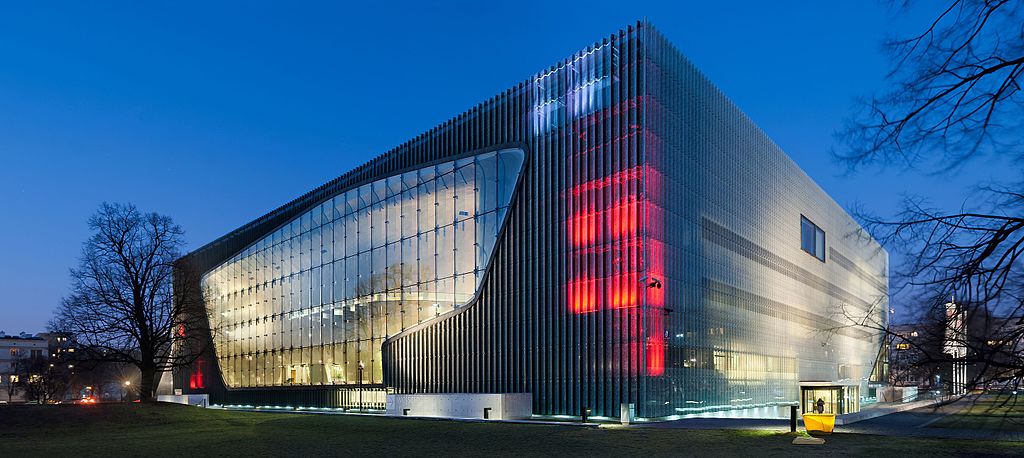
(812, 238)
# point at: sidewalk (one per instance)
(879, 409)
(904, 420)
(869, 412)
(917, 423)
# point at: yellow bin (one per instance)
(819, 422)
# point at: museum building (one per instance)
(610, 231)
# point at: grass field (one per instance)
(1003, 413)
(118, 430)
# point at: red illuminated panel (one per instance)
(656, 312)
(615, 228)
(656, 356)
(583, 296)
(655, 340)
(195, 378)
(656, 283)
(618, 178)
(583, 229)
(623, 219)
(624, 290)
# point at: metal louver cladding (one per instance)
(367, 263)
(562, 313)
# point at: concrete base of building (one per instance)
(897, 394)
(758, 413)
(479, 406)
(198, 400)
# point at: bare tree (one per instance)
(30, 373)
(954, 97)
(11, 385)
(126, 305)
(41, 379)
(955, 91)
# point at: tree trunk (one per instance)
(146, 385)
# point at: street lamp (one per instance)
(361, 367)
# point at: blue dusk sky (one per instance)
(215, 113)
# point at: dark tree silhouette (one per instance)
(42, 379)
(123, 307)
(954, 96)
(11, 385)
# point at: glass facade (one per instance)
(311, 303)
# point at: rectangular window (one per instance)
(812, 238)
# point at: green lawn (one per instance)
(171, 430)
(1003, 413)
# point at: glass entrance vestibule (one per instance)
(829, 397)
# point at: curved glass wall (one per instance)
(314, 300)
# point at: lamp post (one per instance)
(361, 367)
(46, 384)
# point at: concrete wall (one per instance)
(897, 394)
(503, 406)
(199, 400)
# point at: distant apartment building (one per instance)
(908, 350)
(59, 345)
(12, 349)
(995, 345)
(969, 348)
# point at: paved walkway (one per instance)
(917, 423)
(912, 423)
